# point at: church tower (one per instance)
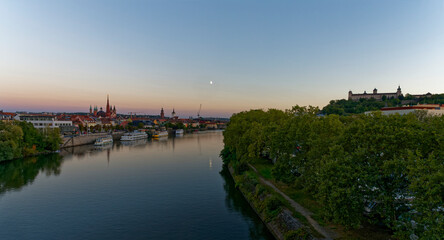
(173, 114)
(114, 112)
(108, 112)
(162, 114)
(90, 109)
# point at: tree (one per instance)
(365, 167)
(10, 138)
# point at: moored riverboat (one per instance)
(103, 140)
(161, 134)
(133, 136)
(179, 132)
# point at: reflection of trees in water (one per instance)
(21, 172)
(236, 201)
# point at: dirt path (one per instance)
(328, 234)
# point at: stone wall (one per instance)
(85, 139)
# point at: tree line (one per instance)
(349, 107)
(19, 139)
(360, 168)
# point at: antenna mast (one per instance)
(198, 113)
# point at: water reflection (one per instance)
(16, 174)
(135, 143)
(236, 201)
(167, 189)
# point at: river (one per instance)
(156, 189)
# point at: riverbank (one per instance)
(174, 186)
(311, 209)
(73, 141)
(277, 213)
(21, 139)
(256, 177)
(361, 170)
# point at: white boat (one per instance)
(179, 132)
(103, 140)
(161, 134)
(133, 136)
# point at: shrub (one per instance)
(299, 234)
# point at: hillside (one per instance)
(348, 107)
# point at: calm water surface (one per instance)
(167, 189)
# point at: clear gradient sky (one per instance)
(65, 55)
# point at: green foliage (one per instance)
(272, 207)
(171, 125)
(240, 167)
(18, 139)
(273, 203)
(426, 219)
(10, 139)
(299, 234)
(386, 169)
(227, 155)
(349, 107)
(51, 139)
(433, 99)
(248, 182)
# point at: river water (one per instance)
(162, 189)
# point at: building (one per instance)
(173, 115)
(374, 95)
(380, 96)
(6, 116)
(42, 121)
(86, 121)
(430, 109)
(162, 114)
(110, 112)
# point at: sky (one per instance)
(67, 55)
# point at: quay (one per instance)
(72, 141)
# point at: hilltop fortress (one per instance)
(380, 96)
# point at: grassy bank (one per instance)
(298, 194)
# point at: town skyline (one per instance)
(182, 113)
(229, 57)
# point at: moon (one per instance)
(211, 82)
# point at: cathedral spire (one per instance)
(107, 105)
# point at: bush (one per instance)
(272, 206)
(273, 203)
(241, 167)
(299, 234)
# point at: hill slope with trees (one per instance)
(361, 168)
(348, 107)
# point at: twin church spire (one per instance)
(109, 112)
